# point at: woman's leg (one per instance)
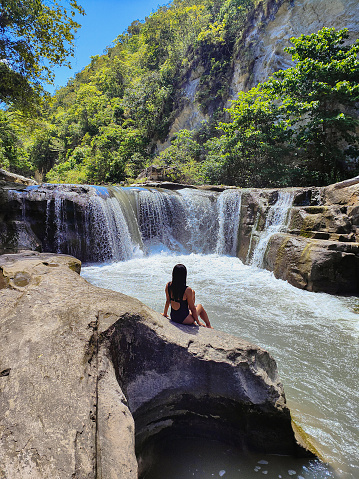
(189, 320)
(203, 315)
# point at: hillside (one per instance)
(158, 94)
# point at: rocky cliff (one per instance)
(261, 50)
(89, 377)
(318, 249)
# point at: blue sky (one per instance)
(104, 20)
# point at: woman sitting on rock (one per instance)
(182, 299)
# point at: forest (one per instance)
(300, 127)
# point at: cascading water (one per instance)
(158, 215)
(276, 222)
(111, 236)
(116, 224)
(229, 213)
(200, 221)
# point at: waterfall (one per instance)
(276, 222)
(61, 234)
(159, 214)
(229, 214)
(101, 224)
(200, 221)
(110, 236)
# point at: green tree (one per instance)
(13, 155)
(183, 158)
(321, 93)
(299, 127)
(35, 35)
(254, 149)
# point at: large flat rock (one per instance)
(87, 375)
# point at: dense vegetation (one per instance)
(297, 128)
(301, 126)
(35, 35)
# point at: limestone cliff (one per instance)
(261, 51)
(87, 375)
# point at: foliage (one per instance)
(256, 143)
(215, 50)
(105, 123)
(35, 35)
(299, 127)
(183, 158)
(12, 151)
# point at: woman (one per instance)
(181, 298)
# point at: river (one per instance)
(134, 237)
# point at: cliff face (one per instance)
(261, 51)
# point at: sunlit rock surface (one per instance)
(270, 32)
(318, 246)
(261, 51)
(87, 374)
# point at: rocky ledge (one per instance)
(318, 249)
(90, 377)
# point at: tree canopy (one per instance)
(35, 35)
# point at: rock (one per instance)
(260, 51)
(315, 264)
(154, 173)
(168, 185)
(320, 249)
(87, 375)
(269, 32)
(8, 177)
(48, 218)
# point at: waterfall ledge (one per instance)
(89, 375)
(308, 236)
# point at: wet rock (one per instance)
(88, 376)
(314, 264)
(319, 249)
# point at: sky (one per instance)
(103, 22)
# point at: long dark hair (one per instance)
(178, 285)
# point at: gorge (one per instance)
(94, 382)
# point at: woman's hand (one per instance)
(165, 315)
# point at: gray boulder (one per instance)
(90, 377)
(7, 177)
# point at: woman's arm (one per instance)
(190, 300)
(168, 302)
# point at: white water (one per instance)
(275, 222)
(313, 337)
(229, 215)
